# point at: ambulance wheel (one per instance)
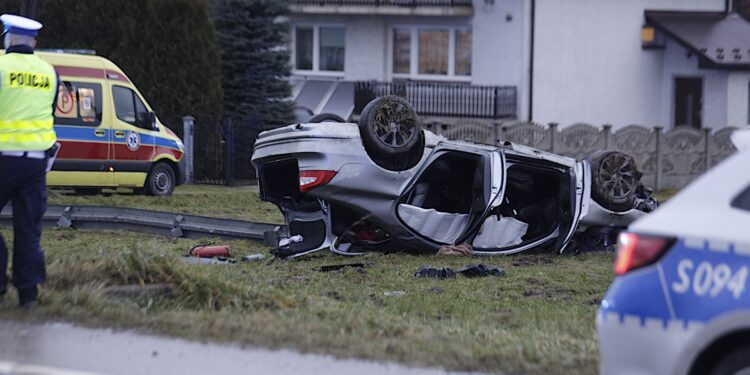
(614, 179)
(161, 180)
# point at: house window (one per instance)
(431, 52)
(319, 48)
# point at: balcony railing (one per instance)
(406, 3)
(443, 99)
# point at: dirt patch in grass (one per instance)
(536, 320)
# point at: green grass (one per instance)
(538, 319)
(216, 201)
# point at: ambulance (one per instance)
(109, 135)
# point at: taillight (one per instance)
(311, 179)
(635, 251)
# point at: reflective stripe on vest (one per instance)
(28, 86)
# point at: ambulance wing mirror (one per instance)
(152, 121)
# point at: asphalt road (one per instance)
(61, 348)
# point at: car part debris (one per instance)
(463, 249)
(481, 270)
(435, 273)
(253, 258)
(395, 293)
(293, 239)
(210, 251)
(216, 260)
(337, 267)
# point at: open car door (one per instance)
(450, 193)
(580, 194)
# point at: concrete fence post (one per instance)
(707, 149)
(553, 137)
(659, 157)
(607, 129)
(498, 132)
(188, 140)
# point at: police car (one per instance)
(680, 303)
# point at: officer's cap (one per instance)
(20, 25)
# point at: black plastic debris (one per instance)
(336, 267)
(435, 273)
(481, 270)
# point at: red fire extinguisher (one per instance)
(210, 251)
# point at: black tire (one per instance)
(324, 117)
(392, 133)
(614, 178)
(87, 191)
(161, 180)
(735, 362)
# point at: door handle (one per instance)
(120, 134)
(100, 132)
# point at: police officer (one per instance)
(28, 88)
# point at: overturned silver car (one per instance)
(386, 184)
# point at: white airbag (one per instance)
(496, 234)
(442, 227)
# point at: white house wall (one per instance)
(738, 99)
(501, 46)
(589, 65)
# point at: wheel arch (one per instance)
(172, 162)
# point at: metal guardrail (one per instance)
(409, 3)
(164, 223)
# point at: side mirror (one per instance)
(152, 121)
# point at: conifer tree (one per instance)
(252, 36)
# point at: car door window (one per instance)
(79, 103)
(129, 107)
(742, 201)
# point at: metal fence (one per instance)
(668, 158)
(222, 151)
(410, 3)
(443, 99)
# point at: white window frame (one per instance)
(414, 53)
(316, 50)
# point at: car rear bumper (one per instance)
(633, 345)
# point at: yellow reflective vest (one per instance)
(28, 86)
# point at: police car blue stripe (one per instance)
(703, 280)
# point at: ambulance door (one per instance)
(83, 136)
(132, 140)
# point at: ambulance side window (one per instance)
(130, 108)
(79, 103)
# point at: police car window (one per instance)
(79, 103)
(124, 104)
(742, 201)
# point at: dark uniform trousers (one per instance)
(22, 182)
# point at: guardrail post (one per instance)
(188, 156)
(659, 157)
(498, 132)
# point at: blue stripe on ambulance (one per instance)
(83, 134)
